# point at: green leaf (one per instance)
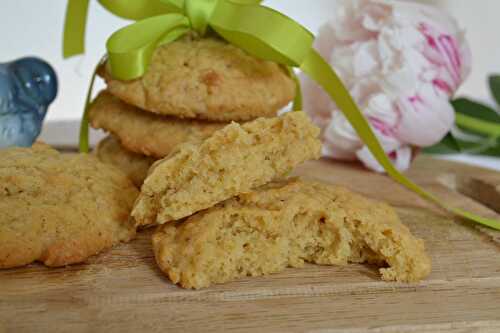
(446, 146)
(452, 145)
(494, 81)
(475, 109)
(493, 150)
(488, 146)
(476, 148)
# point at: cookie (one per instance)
(233, 160)
(60, 209)
(207, 79)
(135, 166)
(143, 132)
(285, 224)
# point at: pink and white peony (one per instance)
(402, 62)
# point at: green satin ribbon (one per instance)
(260, 31)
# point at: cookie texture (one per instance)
(143, 132)
(60, 209)
(233, 160)
(285, 224)
(135, 166)
(207, 79)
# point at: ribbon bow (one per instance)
(259, 30)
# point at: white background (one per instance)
(34, 27)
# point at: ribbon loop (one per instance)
(199, 13)
(138, 9)
(130, 49)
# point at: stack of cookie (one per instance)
(192, 88)
(218, 192)
(206, 113)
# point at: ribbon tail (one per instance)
(316, 67)
(74, 27)
(84, 125)
(492, 223)
(297, 104)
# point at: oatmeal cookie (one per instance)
(135, 166)
(285, 224)
(143, 132)
(60, 209)
(207, 79)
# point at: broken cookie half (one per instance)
(284, 224)
(234, 160)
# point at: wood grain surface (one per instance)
(123, 291)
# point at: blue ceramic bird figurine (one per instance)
(27, 87)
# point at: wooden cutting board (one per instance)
(123, 290)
